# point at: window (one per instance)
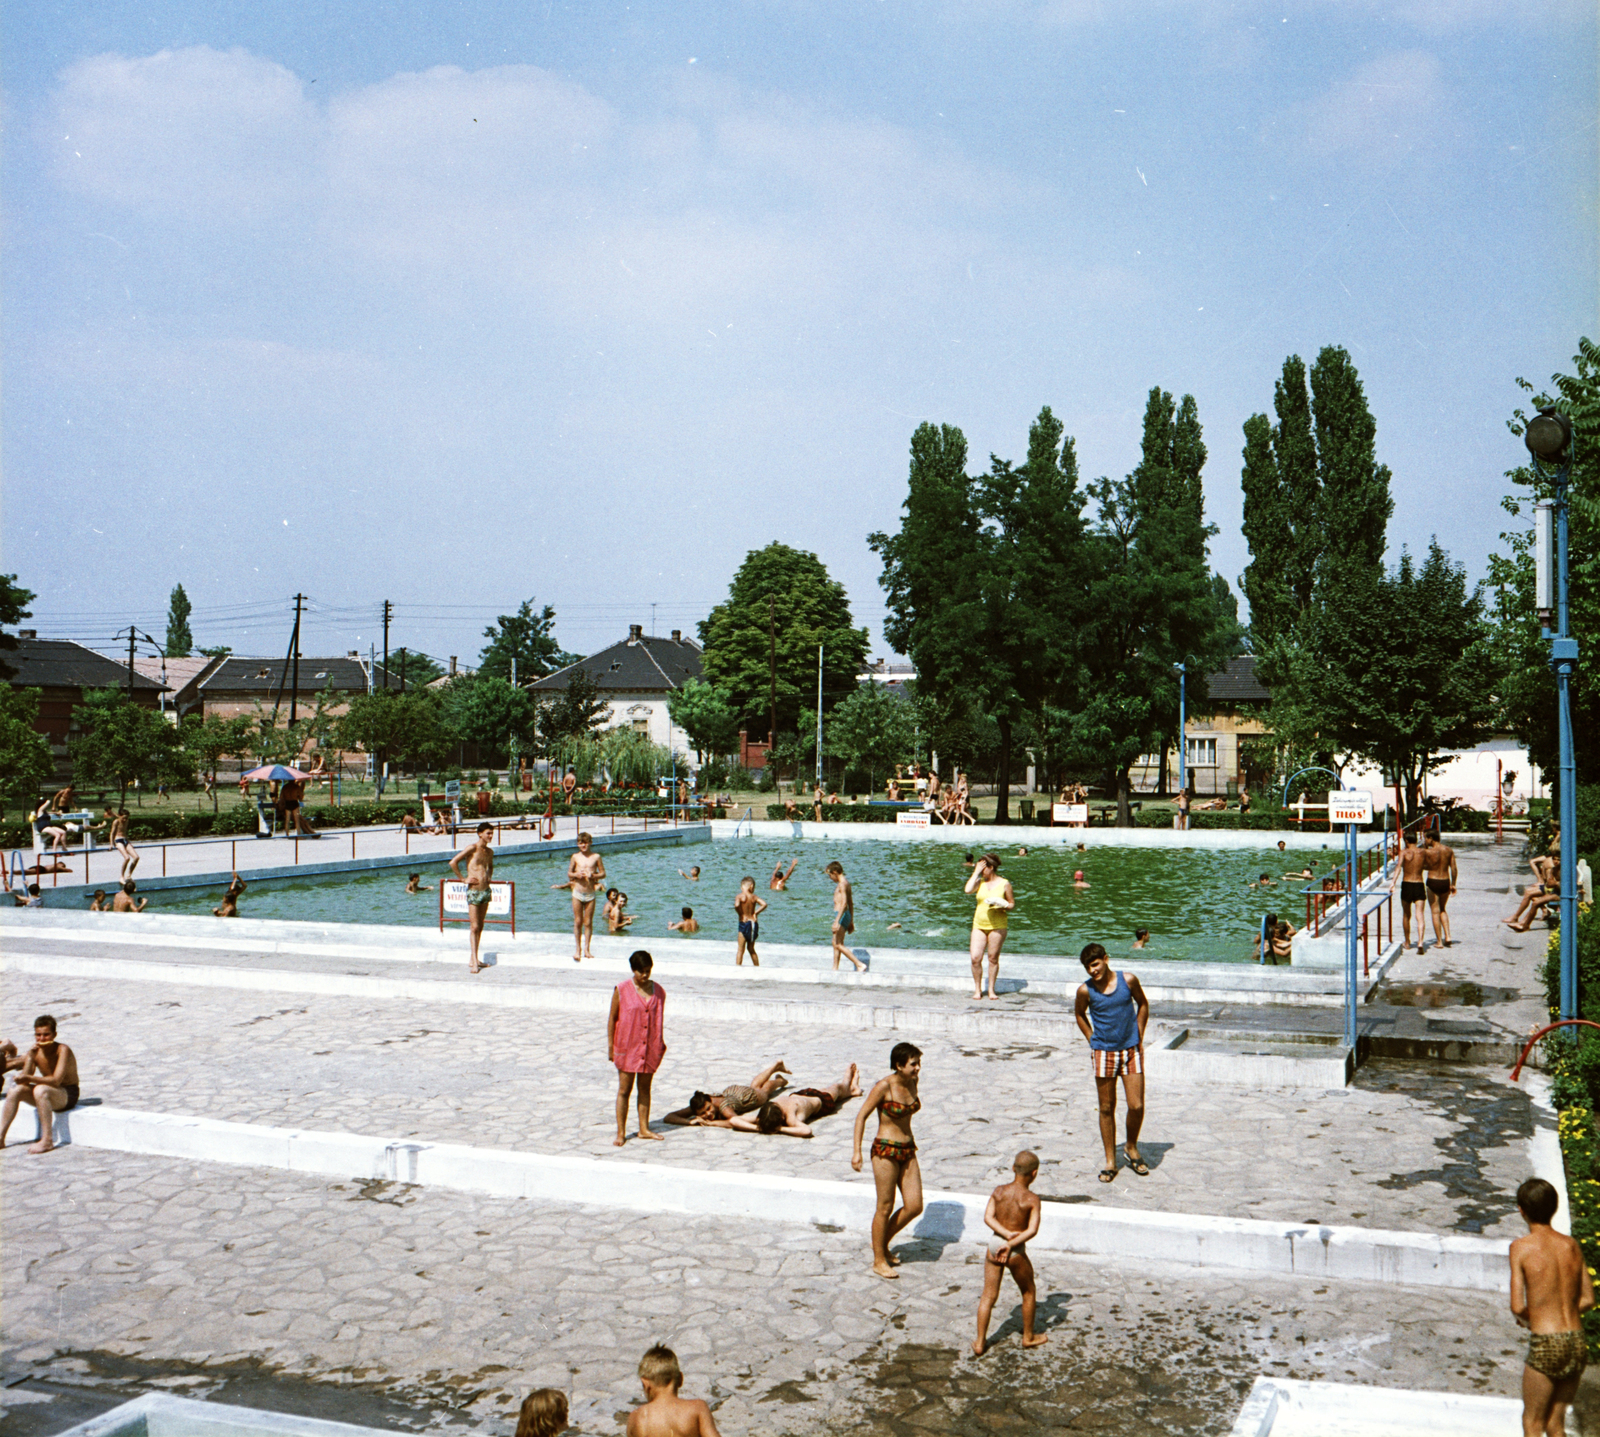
(641, 725)
(1202, 753)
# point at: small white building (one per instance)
(636, 677)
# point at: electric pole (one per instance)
(294, 647)
(132, 634)
(388, 613)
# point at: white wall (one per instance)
(626, 708)
(1469, 774)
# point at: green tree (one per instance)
(781, 596)
(1151, 601)
(1526, 689)
(575, 712)
(25, 758)
(210, 740)
(486, 711)
(703, 712)
(1391, 668)
(215, 651)
(180, 642)
(526, 637)
(408, 730)
(118, 742)
(871, 729)
(411, 669)
(1314, 494)
(13, 608)
(984, 580)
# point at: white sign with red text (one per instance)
(1350, 806)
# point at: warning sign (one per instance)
(1350, 806)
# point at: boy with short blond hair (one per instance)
(1013, 1215)
(844, 918)
(1550, 1290)
(665, 1414)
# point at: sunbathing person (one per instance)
(1536, 896)
(717, 1110)
(792, 1116)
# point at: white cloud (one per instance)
(194, 133)
(1393, 102)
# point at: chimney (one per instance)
(635, 633)
(452, 665)
(27, 633)
(354, 654)
(677, 636)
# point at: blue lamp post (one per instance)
(1549, 440)
(1183, 730)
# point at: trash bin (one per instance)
(1027, 810)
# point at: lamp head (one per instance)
(1548, 435)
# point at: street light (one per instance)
(1549, 440)
(1183, 741)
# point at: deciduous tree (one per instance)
(527, 637)
(14, 602)
(25, 758)
(117, 742)
(785, 596)
(703, 712)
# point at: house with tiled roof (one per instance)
(248, 686)
(180, 677)
(636, 676)
(61, 670)
(1218, 734)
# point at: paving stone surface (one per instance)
(132, 1272)
(458, 1305)
(1389, 1152)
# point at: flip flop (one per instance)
(1137, 1164)
(1108, 1175)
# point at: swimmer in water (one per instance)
(1077, 879)
(1141, 937)
(780, 879)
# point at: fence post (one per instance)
(163, 860)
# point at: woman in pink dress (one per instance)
(634, 1041)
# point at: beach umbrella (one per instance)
(272, 773)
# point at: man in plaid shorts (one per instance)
(1112, 1011)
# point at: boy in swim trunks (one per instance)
(1112, 1013)
(586, 871)
(480, 870)
(748, 908)
(1439, 859)
(1013, 1215)
(48, 1080)
(1550, 1288)
(1408, 878)
(844, 920)
(687, 924)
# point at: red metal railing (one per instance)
(1516, 1072)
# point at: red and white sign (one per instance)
(1350, 806)
(912, 818)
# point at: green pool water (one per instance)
(1197, 903)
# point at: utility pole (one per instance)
(294, 649)
(819, 721)
(388, 613)
(132, 634)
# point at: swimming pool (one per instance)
(1198, 903)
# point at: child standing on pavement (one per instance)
(1550, 1288)
(665, 1414)
(748, 908)
(1013, 1215)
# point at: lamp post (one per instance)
(1183, 738)
(1549, 440)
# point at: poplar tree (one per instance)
(985, 579)
(180, 642)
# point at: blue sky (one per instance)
(457, 305)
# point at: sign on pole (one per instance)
(1350, 806)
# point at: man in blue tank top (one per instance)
(1112, 1012)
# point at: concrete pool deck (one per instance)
(183, 1269)
(184, 863)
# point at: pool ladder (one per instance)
(747, 818)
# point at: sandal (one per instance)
(1108, 1175)
(1137, 1164)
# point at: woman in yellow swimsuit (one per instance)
(894, 1152)
(995, 902)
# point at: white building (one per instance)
(636, 677)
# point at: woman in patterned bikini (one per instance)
(894, 1153)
